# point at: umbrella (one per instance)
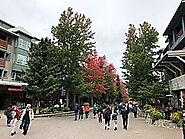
(86, 103)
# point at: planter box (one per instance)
(161, 123)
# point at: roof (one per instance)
(175, 19)
(6, 23)
(12, 83)
(20, 29)
(7, 31)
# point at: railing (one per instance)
(2, 62)
(3, 44)
(177, 83)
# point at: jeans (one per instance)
(125, 123)
(25, 125)
(76, 115)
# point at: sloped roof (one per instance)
(177, 16)
(20, 29)
(7, 31)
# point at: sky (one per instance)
(110, 19)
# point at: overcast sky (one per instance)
(110, 19)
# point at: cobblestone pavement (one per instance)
(66, 128)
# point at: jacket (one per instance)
(31, 114)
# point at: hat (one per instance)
(28, 105)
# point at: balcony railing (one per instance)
(177, 83)
(2, 62)
(3, 44)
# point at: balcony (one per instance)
(177, 83)
(2, 62)
(3, 44)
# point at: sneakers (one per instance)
(105, 128)
(13, 133)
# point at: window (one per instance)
(10, 41)
(5, 74)
(2, 54)
(24, 44)
(1, 71)
(21, 59)
(13, 76)
(8, 55)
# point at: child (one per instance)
(115, 118)
(94, 110)
(81, 112)
(100, 113)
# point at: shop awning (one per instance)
(12, 83)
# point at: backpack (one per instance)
(18, 114)
(124, 113)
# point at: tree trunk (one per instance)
(38, 105)
(92, 101)
(67, 98)
(74, 100)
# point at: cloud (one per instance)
(110, 19)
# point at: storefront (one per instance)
(11, 91)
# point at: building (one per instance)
(14, 46)
(172, 62)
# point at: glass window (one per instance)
(8, 55)
(24, 44)
(5, 74)
(21, 59)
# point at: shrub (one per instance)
(66, 109)
(176, 116)
(180, 123)
(45, 110)
(154, 114)
(147, 107)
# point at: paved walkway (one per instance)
(66, 128)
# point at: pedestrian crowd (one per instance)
(105, 113)
(15, 117)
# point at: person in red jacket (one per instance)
(16, 115)
(86, 109)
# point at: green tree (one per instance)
(138, 61)
(74, 37)
(42, 74)
(119, 96)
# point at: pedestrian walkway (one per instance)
(67, 128)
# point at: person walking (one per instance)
(115, 118)
(124, 112)
(81, 112)
(8, 115)
(26, 117)
(86, 109)
(16, 115)
(100, 114)
(94, 110)
(107, 116)
(135, 111)
(76, 109)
